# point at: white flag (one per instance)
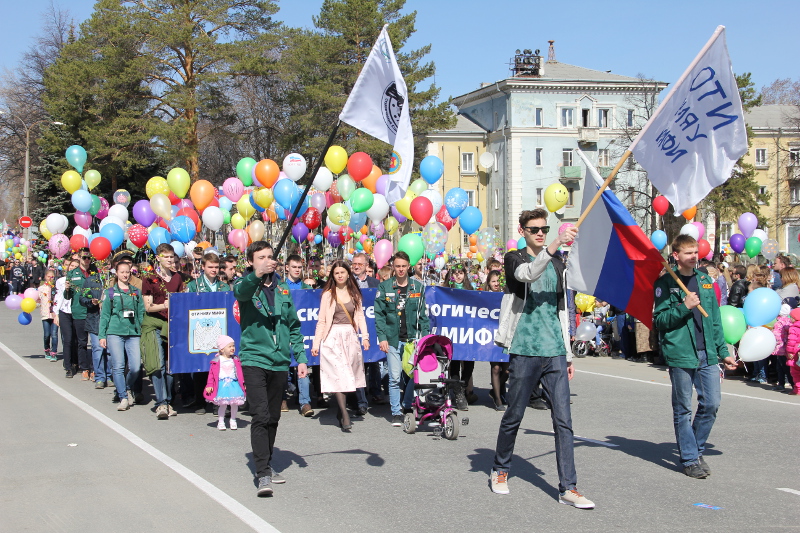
(378, 106)
(698, 133)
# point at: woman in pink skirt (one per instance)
(340, 324)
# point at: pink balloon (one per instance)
(710, 256)
(511, 244)
(185, 203)
(238, 239)
(377, 229)
(700, 228)
(318, 201)
(563, 228)
(383, 252)
(31, 293)
(233, 189)
(82, 219)
(59, 245)
(380, 184)
(103, 213)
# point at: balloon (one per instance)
(143, 213)
(182, 229)
(381, 183)
(456, 201)
(78, 241)
(737, 242)
(92, 178)
(443, 217)
(100, 247)
(82, 219)
(56, 223)
(311, 218)
(403, 205)
(157, 236)
(300, 232)
(489, 242)
(377, 229)
(336, 159)
(690, 213)
(225, 204)
(71, 181)
(294, 166)
(238, 221)
(752, 247)
(379, 208)
(761, 306)
(58, 245)
(761, 234)
(383, 252)
(286, 193)
(703, 248)
(370, 181)
(318, 202)
(563, 227)
(27, 305)
(431, 169)
(434, 237)
(137, 234)
(659, 239)
(244, 169)
(178, 181)
(584, 303)
(31, 293)
(239, 239)
(96, 205)
(701, 230)
(346, 186)
(661, 205)
(13, 302)
(435, 198)
(586, 331)
(511, 244)
(412, 245)
(201, 193)
(213, 218)
(421, 210)
(555, 197)
(470, 219)
(122, 197)
(179, 248)
(76, 156)
(160, 205)
(44, 231)
(361, 200)
(769, 249)
(119, 212)
(748, 222)
(256, 230)
(24, 318)
(357, 221)
(359, 166)
(756, 344)
(263, 197)
(82, 200)
(391, 225)
(113, 234)
(156, 185)
(339, 214)
(690, 230)
(323, 180)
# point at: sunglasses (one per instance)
(533, 230)
(86, 257)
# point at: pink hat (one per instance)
(223, 341)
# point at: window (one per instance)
(762, 190)
(538, 119)
(471, 198)
(497, 198)
(631, 197)
(570, 200)
(539, 197)
(725, 231)
(465, 240)
(585, 118)
(602, 158)
(630, 118)
(794, 157)
(794, 192)
(467, 163)
(538, 157)
(761, 157)
(602, 118)
(567, 120)
(566, 155)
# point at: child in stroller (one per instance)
(432, 388)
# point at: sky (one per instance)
(472, 41)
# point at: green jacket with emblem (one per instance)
(262, 326)
(387, 323)
(112, 319)
(675, 322)
(76, 281)
(201, 285)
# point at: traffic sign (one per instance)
(25, 222)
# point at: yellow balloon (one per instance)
(584, 302)
(18, 255)
(263, 198)
(28, 305)
(161, 206)
(156, 185)
(245, 208)
(71, 181)
(479, 257)
(336, 159)
(238, 221)
(403, 205)
(92, 178)
(179, 181)
(256, 230)
(391, 225)
(46, 233)
(555, 197)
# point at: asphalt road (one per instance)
(71, 462)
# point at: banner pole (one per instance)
(602, 188)
(681, 285)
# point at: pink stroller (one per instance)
(432, 388)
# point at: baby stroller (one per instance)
(432, 388)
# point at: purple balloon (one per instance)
(748, 223)
(253, 175)
(737, 242)
(396, 214)
(103, 212)
(380, 184)
(16, 241)
(334, 239)
(377, 229)
(185, 203)
(318, 201)
(300, 232)
(82, 219)
(143, 213)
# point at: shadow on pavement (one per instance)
(483, 459)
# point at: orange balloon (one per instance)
(352, 250)
(690, 213)
(473, 249)
(364, 230)
(469, 254)
(201, 193)
(371, 181)
(473, 240)
(270, 212)
(267, 172)
(203, 245)
(367, 246)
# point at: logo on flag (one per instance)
(392, 106)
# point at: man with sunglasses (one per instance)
(73, 290)
(534, 328)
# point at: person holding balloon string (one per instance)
(73, 288)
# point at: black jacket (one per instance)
(513, 259)
(738, 293)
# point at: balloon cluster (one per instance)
(26, 303)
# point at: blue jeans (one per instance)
(161, 380)
(50, 335)
(118, 346)
(303, 390)
(398, 381)
(598, 338)
(692, 435)
(375, 373)
(102, 368)
(524, 374)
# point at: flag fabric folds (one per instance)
(697, 134)
(612, 259)
(378, 106)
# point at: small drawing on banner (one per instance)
(205, 326)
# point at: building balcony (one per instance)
(588, 135)
(572, 173)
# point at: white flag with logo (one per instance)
(697, 134)
(378, 106)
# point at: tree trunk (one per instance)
(717, 238)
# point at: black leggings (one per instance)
(462, 370)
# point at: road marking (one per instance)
(669, 385)
(237, 509)
(600, 442)
(791, 491)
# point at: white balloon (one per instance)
(439, 263)
(112, 220)
(435, 198)
(761, 234)
(56, 223)
(213, 217)
(756, 344)
(118, 211)
(331, 225)
(586, 331)
(323, 180)
(80, 231)
(379, 209)
(691, 230)
(294, 166)
(189, 247)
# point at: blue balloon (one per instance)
(357, 220)
(257, 207)
(92, 237)
(431, 168)
(225, 204)
(24, 318)
(281, 212)
(761, 306)
(76, 156)
(174, 210)
(521, 244)
(114, 234)
(82, 200)
(158, 236)
(317, 239)
(182, 229)
(470, 219)
(659, 239)
(286, 193)
(456, 201)
(179, 248)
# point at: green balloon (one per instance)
(412, 245)
(95, 205)
(244, 170)
(23, 248)
(733, 323)
(752, 247)
(346, 186)
(361, 200)
(339, 214)
(226, 217)
(418, 186)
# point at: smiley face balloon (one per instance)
(555, 197)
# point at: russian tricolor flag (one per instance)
(612, 259)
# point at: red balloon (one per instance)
(421, 210)
(174, 200)
(661, 205)
(444, 218)
(311, 218)
(137, 234)
(100, 248)
(359, 166)
(310, 237)
(344, 233)
(77, 242)
(214, 202)
(326, 231)
(703, 247)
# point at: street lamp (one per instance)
(26, 193)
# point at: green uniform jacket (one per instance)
(200, 285)
(112, 321)
(387, 320)
(262, 327)
(676, 325)
(76, 281)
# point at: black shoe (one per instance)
(498, 406)
(472, 398)
(397, 421)
(264, 486)
(69, 374)
(321, 403)
(539, 404)
(704, 465)
(695, 471)
(361, 411)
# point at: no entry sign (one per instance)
(25, 222)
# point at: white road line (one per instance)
(792, 491)
(600, 442)
(668, 385)
(237, 509)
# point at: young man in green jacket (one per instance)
(693, 345)
(73, 290)
(400, 317)
(270, 327)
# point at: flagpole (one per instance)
(603, 187)
(681, 284)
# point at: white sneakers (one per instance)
(575, 499)
(500, 482)
(123, 405)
